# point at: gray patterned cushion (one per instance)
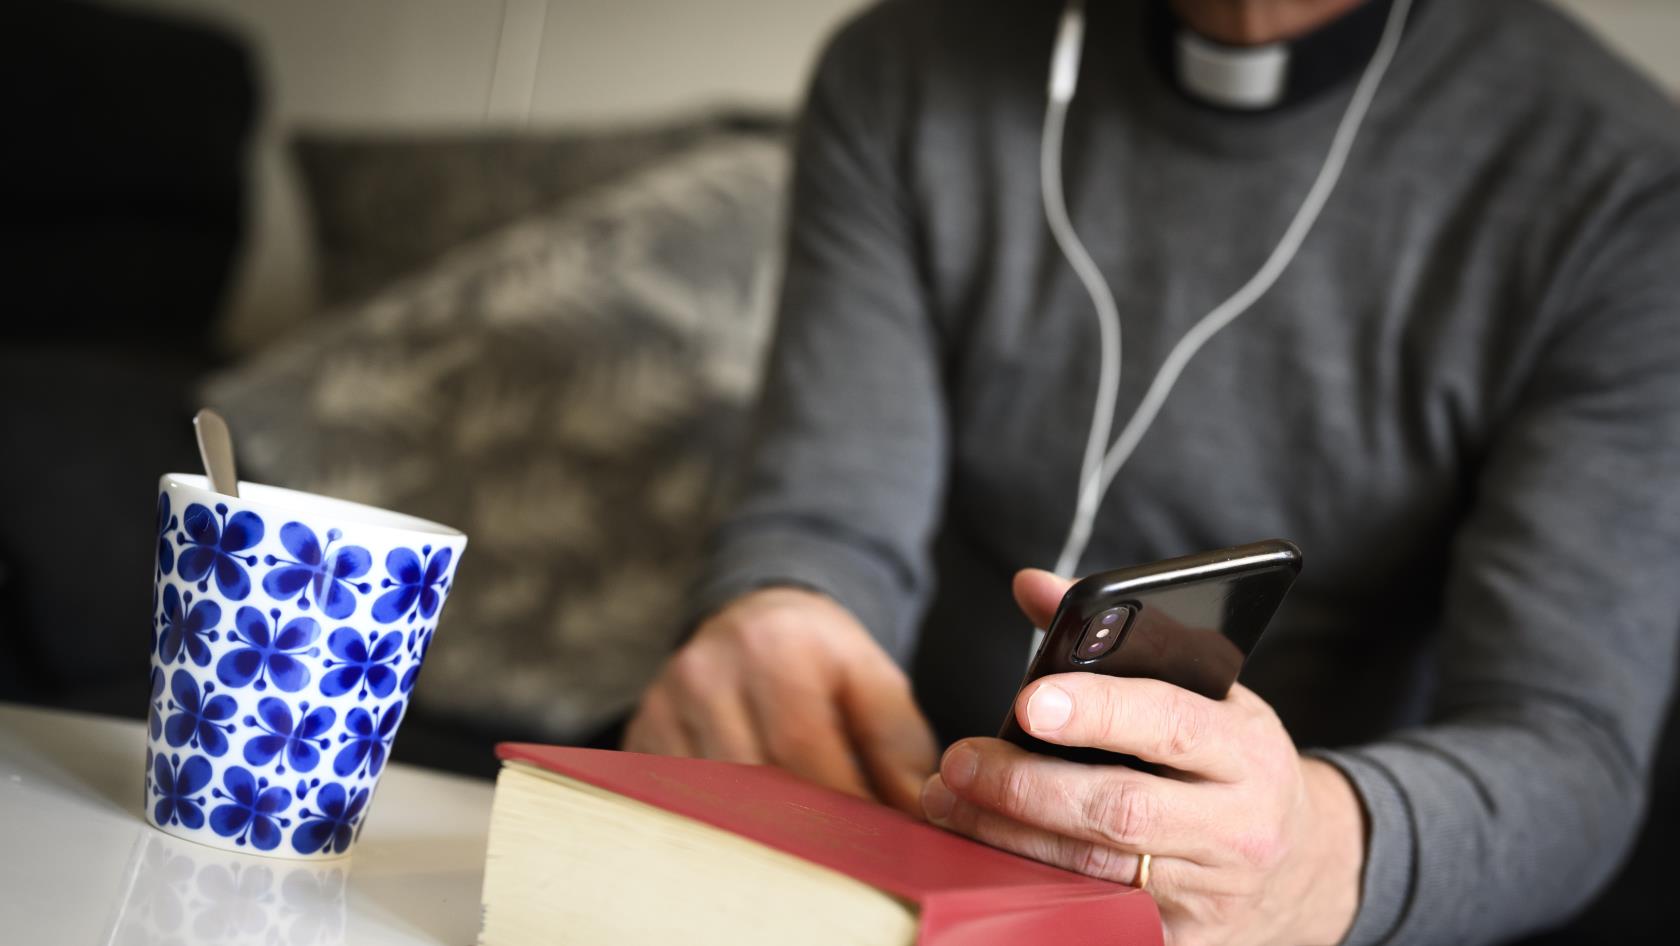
(571, 392)
(385, 204)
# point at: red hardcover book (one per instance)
(956, 892)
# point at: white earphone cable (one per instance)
(1096, 477)
(1063, 76)
(1287, 249)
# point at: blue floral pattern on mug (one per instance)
(265, 654)
(186, 628)
(362, 665)
(319, 570)
(419, 641)
(267, 726)
(211, 545)
(154, 709)
(335, 825)
(197, 720)
(252, 809)
(300, 740)
(175, 783)
(417, 585)
(368, 737)
(166, 523)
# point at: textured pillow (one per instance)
(571, 391)
(383, 205)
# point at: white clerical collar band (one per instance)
(1263, 78)
(1236, 77)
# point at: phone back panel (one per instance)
(1192, 622)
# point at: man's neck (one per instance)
(1257, 22)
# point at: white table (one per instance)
(79, 865)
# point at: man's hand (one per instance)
(1250, 843)
(790, 678)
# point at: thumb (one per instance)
(1039, 593)
(891, 737)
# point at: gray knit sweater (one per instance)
(1462, 401)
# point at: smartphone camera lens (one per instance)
(1102, 633)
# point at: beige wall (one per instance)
(1646, 31)
(408, 62)
(430, 63)
(453, 63)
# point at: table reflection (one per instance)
(184, 893)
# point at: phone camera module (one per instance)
(1102, 633)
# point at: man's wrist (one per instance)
(1335, 854)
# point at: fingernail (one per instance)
(1048, 708)
(959, 765)
(937, 800)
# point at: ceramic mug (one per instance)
(287, 633)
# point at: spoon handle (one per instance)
(215, 446)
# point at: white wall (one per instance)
(431, 63)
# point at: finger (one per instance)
(1109, 805)
(712, 710)
(1039, 593)
(952, 812)
(656, 729)
(721, 728)
(1150, 719)
(804, 733)
(892, 738)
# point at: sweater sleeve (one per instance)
(1518, 800)
(845, 476)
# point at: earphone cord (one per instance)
(1096, 475)
(1064, 73)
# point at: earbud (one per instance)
(1064, 60)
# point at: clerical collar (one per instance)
(1269, 77)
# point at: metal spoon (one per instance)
(215, 446)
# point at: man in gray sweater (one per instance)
(1461, 399)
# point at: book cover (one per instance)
(967, 894)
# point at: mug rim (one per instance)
(279, 499)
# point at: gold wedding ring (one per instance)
(1141, 881)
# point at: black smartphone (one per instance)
(1190, 621)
